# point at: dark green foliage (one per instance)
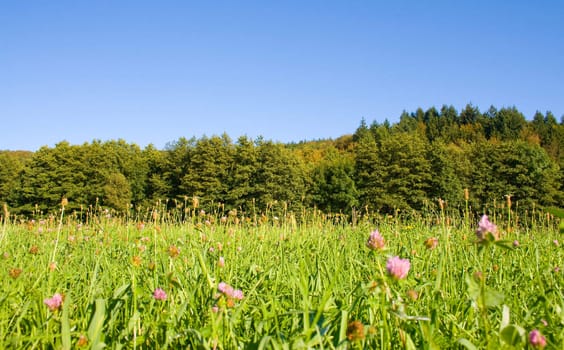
(393, 174)
(334, 189)
(11, 167)
(445, 182)
(280, 176)
(242, 180)
(207, 171)
(518, 169)
(425, 156)
(117, 192)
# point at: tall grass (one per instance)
(308, 280)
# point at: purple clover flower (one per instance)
(397, 267)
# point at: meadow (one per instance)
(280, 280)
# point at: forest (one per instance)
(428, 158)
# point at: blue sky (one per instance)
(154, 71)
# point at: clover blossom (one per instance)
(159, 294)
(536, 339)
(54, 303)
(397, 267)
(375, 241)
(230, 292)
(485, 226)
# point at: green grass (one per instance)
(307, 283)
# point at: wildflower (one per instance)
(536, 339)
(136, 260)
(224, 288)
(431, 243)
(55, 302)
(215, 309)
(52, 266)
(515, 243)
(398, 268)
(412, 294)
(15, 273)
(375, 241)
(237, 294)
(159, 294)
(485, 227)
(221, 262)
(173, 251)
(556, 243)
(82, 341)
(229, 291)
(34, 250)
(355, 331)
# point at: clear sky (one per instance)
(155, 71)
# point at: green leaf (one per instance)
(505, 244)
(65, 325)
(493, 298)
(558, 212)
(96, 325)
(467, 344)
(504, 317)
(343, 327)
(513, 335)
(119, 292)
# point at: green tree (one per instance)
(280, 176)
(208, 169)
(242, 174)
(394, 174)
(366, 161)
(518, 168)
(508, 124)
(117, 192)
(12, 164)
(445, 182)
(334, 189)
(157, 187)
(54, 173)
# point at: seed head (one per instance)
(355, 331)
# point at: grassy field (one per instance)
(278, 281)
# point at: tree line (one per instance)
(425, 157)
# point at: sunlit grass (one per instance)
(307, 281)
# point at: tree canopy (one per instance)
(425, 156)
